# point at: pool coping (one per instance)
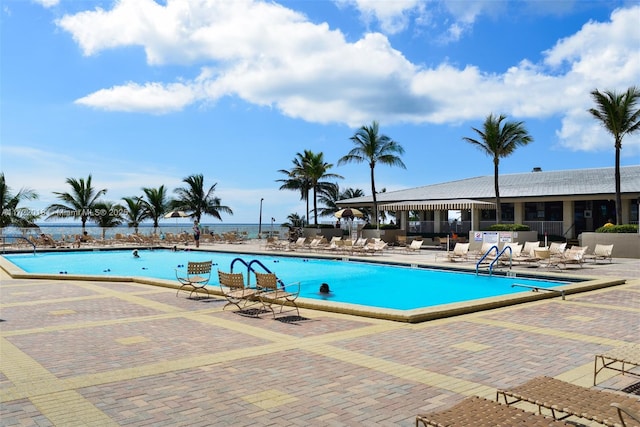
(580, 284)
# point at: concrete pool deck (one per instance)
(119, 353)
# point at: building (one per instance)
(558, 203)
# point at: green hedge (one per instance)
(624, 228)
(508, 227)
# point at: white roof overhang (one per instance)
(433, 205)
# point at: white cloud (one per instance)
(149, 98)
(272, 56)
(47, 3)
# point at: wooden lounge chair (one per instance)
(197, 277)
(602, 252)
(479, 412)
(272, 290)
(621, 359)
(235, 291)
(564, 399)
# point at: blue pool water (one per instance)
(369, 284)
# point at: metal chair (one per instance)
(198, 275)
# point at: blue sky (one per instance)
(141, 93)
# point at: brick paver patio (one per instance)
(91, 353)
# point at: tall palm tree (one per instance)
(372, 148)
(316, 170)
(499, 140)
(109, 215)
(618, 115)
(296, 180)
(12, 213)
(196, 199)
(80, 202)
(156, 204)
(134, 212)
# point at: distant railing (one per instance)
(546, 227)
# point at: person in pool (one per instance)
(135, 253)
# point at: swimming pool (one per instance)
(358, 283)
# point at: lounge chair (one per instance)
(573, 255)
(460, 252)
(564, 399)
(272, 290)
(527, 253)
(234, 290)
(479, 412)
(197, 277)
(484, 249)
(621, 359)
(375, 247)
(602, 252)
(557, 249)
(414, 246)
(298, 244)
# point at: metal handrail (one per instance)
(4, 237)
(486, 255)
(498, 257)
(250, 269)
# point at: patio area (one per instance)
(94, 353)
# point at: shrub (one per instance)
(508, 227)
(624, 228)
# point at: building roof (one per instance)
(521, 185)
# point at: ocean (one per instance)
(57, 231)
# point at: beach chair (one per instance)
(621, 359)
(414, 246)
(272, 291)
(602, 252)
(557, 249)
(527, 253)
(479, 412)
(564, 399)
(375, 247)
(235, 291)
(460, 252)
(573, 255)
(196, 278)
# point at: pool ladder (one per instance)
(250, 268)
(499, 253)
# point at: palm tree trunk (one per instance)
(617, 178)
(315, 207)
(375, 199)
(496, 161)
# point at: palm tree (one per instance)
(618, 115)
(156, 204)
(316, 169)
(328, 197)
(135, 212)
(79, 203)
(296, 180)
(11, 213)
(372, 148)
(195, 199)
(109, 215)
(500, 140)
(294, 220)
